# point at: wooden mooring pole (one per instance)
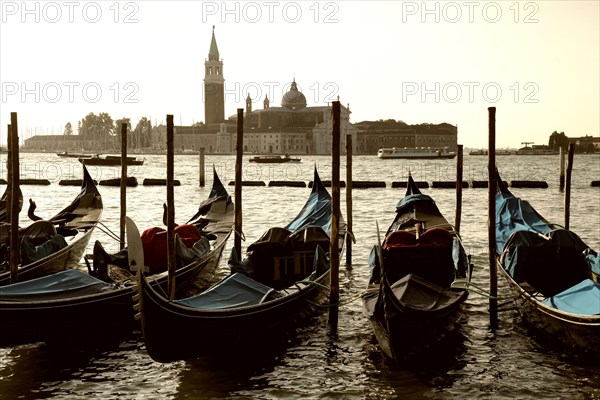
(334, 255)
(568, 185)
(239, 152)
(492, 216)
(349, 199)
(14, 204)
(459, 179)
(123, 184)
(561, 158)
(201, 161)
(8, 175)
(170, 207)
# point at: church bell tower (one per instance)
(214, 85)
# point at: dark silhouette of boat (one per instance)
(274, 159)
(73, 155)
(109, 160)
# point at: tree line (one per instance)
(102, 127)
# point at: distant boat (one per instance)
(415, 153)
(274, 159)
(480, 152)
(73, 155)
(499, 152)
(536, 150)
(109, 160)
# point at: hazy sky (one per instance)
(537, 62)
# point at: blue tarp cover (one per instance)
(411, 198)
(581, 299)
(593, 260)
(514, 214)
(316, 210)
(61, 285)
(237, 290)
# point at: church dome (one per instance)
(293, 99)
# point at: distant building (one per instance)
(587, 142)
(373, 135)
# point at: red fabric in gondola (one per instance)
(399, 239)
(154, 241)
(436, 237)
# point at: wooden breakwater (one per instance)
(357, 184)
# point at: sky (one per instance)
(537, 62)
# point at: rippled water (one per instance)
(321, 361)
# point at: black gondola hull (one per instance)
(173, 332)
(291, 281)
(418, 280)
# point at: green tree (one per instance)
(68, 129)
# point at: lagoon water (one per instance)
(320, 361)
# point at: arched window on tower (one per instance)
(218, 70)
(210, 70)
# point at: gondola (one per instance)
(419, 279)
(553, 275)
(53, 245)
(283, 277)
(95, 307)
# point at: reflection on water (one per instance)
(317, 361)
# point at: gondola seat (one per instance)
(429, 258)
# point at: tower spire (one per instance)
(213, 53)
